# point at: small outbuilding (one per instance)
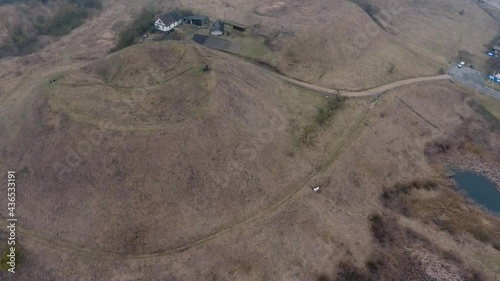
(217, 28)
(197, 20)
(168, 21)
(236, 26)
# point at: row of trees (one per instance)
(21, 32)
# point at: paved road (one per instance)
(472, 78)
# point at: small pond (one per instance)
(479, 189)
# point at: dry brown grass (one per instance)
(200, 152)
(345, 48)
(137, 89)
(489, 104)
(444, 207)
(135, 177)
(147, 191)
(402, 254)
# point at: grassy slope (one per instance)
(175, 147)
(314, 231)
(337, 44)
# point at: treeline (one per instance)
(141, 23)
(85, 3)
(67, 17)
(22, 31)
(6, 2)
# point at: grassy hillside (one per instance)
(362, 44)
(199, 149)
(139, 165)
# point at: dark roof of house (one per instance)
(200, 38)
(170, 17)
(218, 26)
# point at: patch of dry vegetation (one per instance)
(446, 208)
(333, 104)
(215, 153)
(196, 150)
(402, 254)
(307, 134)
(489, 111)
(137, 87)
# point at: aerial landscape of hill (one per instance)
(249, 140)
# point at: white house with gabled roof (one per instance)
(168, 21)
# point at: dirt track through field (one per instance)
(36, 239)
(73, 248)
(370, 92)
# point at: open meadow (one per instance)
(168, 160)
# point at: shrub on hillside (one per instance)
(141, 23)
(383, 229)
(324, 113)
(348, 272)
(309, 135)
(481, 234)
(496, 245)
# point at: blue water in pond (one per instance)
(480, 189)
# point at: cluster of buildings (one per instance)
(494, 52)
(494, 74)
(168, 21)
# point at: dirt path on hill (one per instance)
(36, 239)
(29, 236)
(66, 53)
(370, 92)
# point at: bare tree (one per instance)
(15, 31)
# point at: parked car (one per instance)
(461, 64)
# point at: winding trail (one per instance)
(76, 249)
(37, 239)
(79, 250)
(354, 94)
